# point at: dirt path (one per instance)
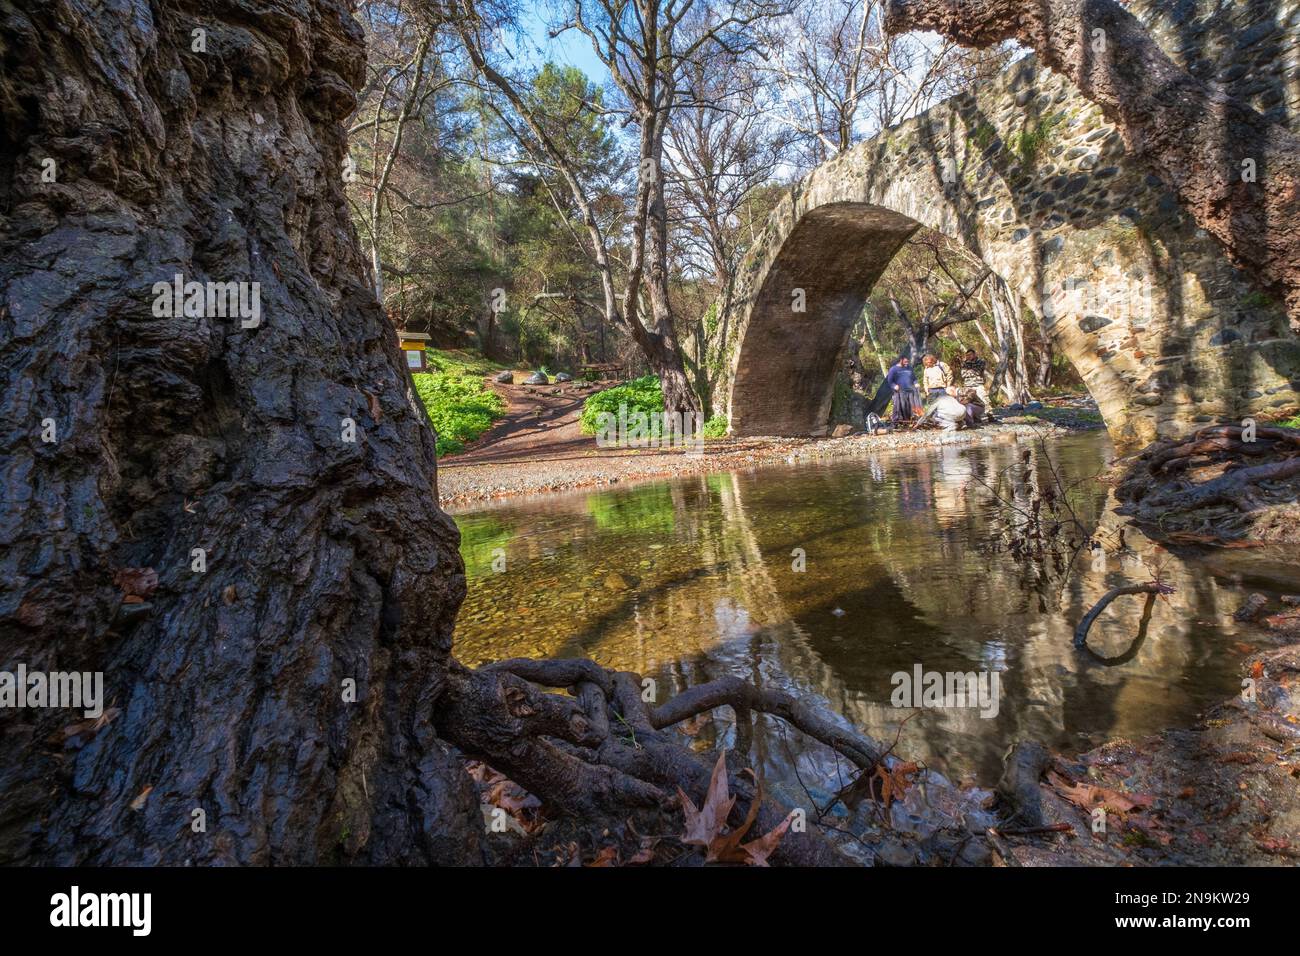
(541, 422)
(537, 447)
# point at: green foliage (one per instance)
(1293, 422)
(458, 404)
(711, 320)
(641, 394)
(460, 362)
(983, 134)
(716, 427)
(1029, 142)
(1256, 300)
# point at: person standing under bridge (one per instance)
(907, 401)
(937, 375)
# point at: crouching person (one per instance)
(975, 409)
(947, 412)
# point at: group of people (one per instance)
(949, 404)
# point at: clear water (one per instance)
(690, 579)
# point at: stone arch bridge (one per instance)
(1029, 176)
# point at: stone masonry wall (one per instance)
(1028, 174)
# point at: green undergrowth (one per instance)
(459, 404)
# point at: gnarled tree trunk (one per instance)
(1195, 137)
(201, 138)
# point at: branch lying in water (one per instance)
(1151, 587)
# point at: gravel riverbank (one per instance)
(463, 485)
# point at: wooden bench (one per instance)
(603, 370)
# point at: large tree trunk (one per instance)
(1196, 138)
(1011, 374)
(327, 561)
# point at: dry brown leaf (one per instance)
(892, 784)
(703, 825)
(229, 595)
(1088, 796)
(759, 850)
(608, 856)
(726, 848)
(139, 802)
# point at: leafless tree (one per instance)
(720, 148)
(840, 78)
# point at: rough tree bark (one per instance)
(326, 560)
(182, 510)
(1011, 374)
(1194, 137)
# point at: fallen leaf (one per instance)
(703, 825)
(139, 802)
(229, 595)
(608, 856)
(759, 850)
(1088, 796)
(726, 848)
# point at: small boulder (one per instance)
(537, 378)
(614, 581)
(506, 377)
(842, 430)
(563, 377)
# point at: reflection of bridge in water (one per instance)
(894, 577)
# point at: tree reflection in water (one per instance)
(690, 579)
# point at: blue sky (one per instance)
(571, 48)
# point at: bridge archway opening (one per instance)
(799, 325)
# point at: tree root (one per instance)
(1246, 489)
(603, 752)
(1151, 587)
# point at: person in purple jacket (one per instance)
(907, 401)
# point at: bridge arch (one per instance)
(1026, 174)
